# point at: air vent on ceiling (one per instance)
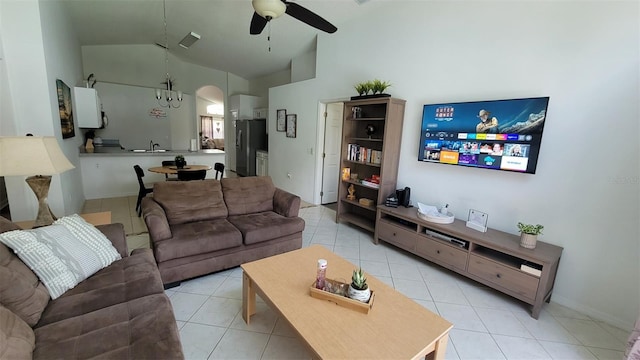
(189, 40)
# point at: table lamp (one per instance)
(38, 158)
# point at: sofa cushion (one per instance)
(248, 195)
(7, 225)
(188, 201)
(16, 337)
(142, 328)
(20, 289)
(198, 238)
(62, 254)
(265, 226)
(129, 278)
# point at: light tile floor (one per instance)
(487, 324)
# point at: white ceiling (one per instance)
(223, 25)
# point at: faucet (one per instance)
(151, 145)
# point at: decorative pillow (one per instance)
(62, 254)
(16, 337)
(93, 238)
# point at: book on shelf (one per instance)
(531, 268)
(370, 184)
(362, 154)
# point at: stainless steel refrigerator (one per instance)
(251, 135)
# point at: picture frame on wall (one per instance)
(65, 109)
(292, 121)
(281, 124)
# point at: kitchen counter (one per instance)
(108, 171)
(116, 151)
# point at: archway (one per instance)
(210, 117)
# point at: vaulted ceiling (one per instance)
(223, 25)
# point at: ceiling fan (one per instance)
(266, 10)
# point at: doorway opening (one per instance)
(210, 112)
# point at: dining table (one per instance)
(174, 169)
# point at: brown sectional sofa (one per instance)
(200, 227)
(120, 312)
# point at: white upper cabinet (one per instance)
(88, 110)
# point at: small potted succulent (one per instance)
(529, 234)
(180, 161)
(359, 290)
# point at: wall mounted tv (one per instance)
(497, 134)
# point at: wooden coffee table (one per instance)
(396, 327)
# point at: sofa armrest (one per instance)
(115, 233)
(156, 220)
(286, 203)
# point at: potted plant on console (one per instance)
(529, 234)
(359, 290)
(180, 161)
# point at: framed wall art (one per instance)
(65, 110)
(292, 120)
(281, 124)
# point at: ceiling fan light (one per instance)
(269, 8)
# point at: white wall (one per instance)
(260, 86)
(584, 55)
(303, 67)
(39, 47)
(129, 109)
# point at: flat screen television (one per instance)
(497, 134)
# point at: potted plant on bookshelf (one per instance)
(362, 88)
(359, 290)
(180, 161)
(529, 234)
(378, 87)
(371, 89)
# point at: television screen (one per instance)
(498, 134)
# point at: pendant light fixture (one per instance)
(165, 96)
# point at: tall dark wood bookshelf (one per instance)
(369, 154)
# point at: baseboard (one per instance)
(595, 314)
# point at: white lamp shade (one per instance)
(31, 155)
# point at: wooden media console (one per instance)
(493, 258)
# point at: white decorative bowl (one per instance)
(437, 218)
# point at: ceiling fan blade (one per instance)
(257, 24)
(308, 17)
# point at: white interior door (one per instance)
(331, 158)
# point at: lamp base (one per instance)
(40, 186)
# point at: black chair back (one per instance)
(187, 175)
(219, 168)
(143, 191)
(139, 174)
(168, 163)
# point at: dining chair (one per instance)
(143, 191)
(219, 168)
(169, 163)
(188, 175)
